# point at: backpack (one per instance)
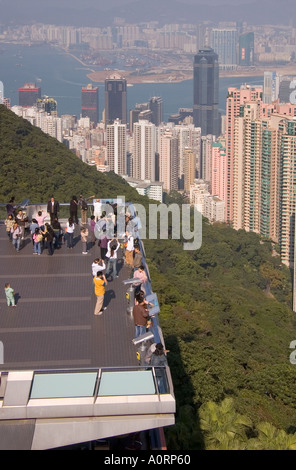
(83, 205)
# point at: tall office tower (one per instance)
(235, 99)
(29, 94)
(270, 87)
(115, 99)
(224, 43)
(218, 180)
(168, 160)
(144, 149)
(116, 147)
(90, 103)
(206, 92)
(246, 49)
(155, 105)
(189, 168)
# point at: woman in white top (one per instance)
(129, 250)
(111, 256)
(70, 232)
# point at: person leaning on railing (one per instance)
(159, 361)
(141, 317)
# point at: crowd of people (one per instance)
(51, 235)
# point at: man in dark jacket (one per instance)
(53, 208)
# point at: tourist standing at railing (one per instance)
(141, 315)
(141, 275)
(138, 258)
(16, 232)
(21, 220)
(10, 207)
(40, 219)
(129, 250)
(49, 237)
(70, 232)
(37, 239)
(100, 283)
(53, 208)
(97, 209)
(103, 246)
(159, 361)
(84, 236)
(92, 225)
(57, 229)
(9, 222)
(74, 209)
(33, 226)
(83, 208)
(111, 256)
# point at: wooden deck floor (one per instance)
(53, 325)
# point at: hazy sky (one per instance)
(102, 12)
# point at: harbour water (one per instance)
(61, 77)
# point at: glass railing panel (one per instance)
(63, 385)
(119, 383)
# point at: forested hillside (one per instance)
(227, 319)
(34, 165)
(225, 308)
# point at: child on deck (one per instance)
(9, 292)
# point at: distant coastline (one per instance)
(178, 76)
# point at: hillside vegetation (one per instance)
(225, 308)
(227, 320)
(35, 166)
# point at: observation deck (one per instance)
(68, 376)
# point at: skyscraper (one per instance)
(206, 92)
(144, 150)
(235, 99)
(115, 99)
(271, 87)
(116, 147)
(246, 49)
(90, 103)
(155, 105)
(224, 43)
(29, 94)
(168, 160)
